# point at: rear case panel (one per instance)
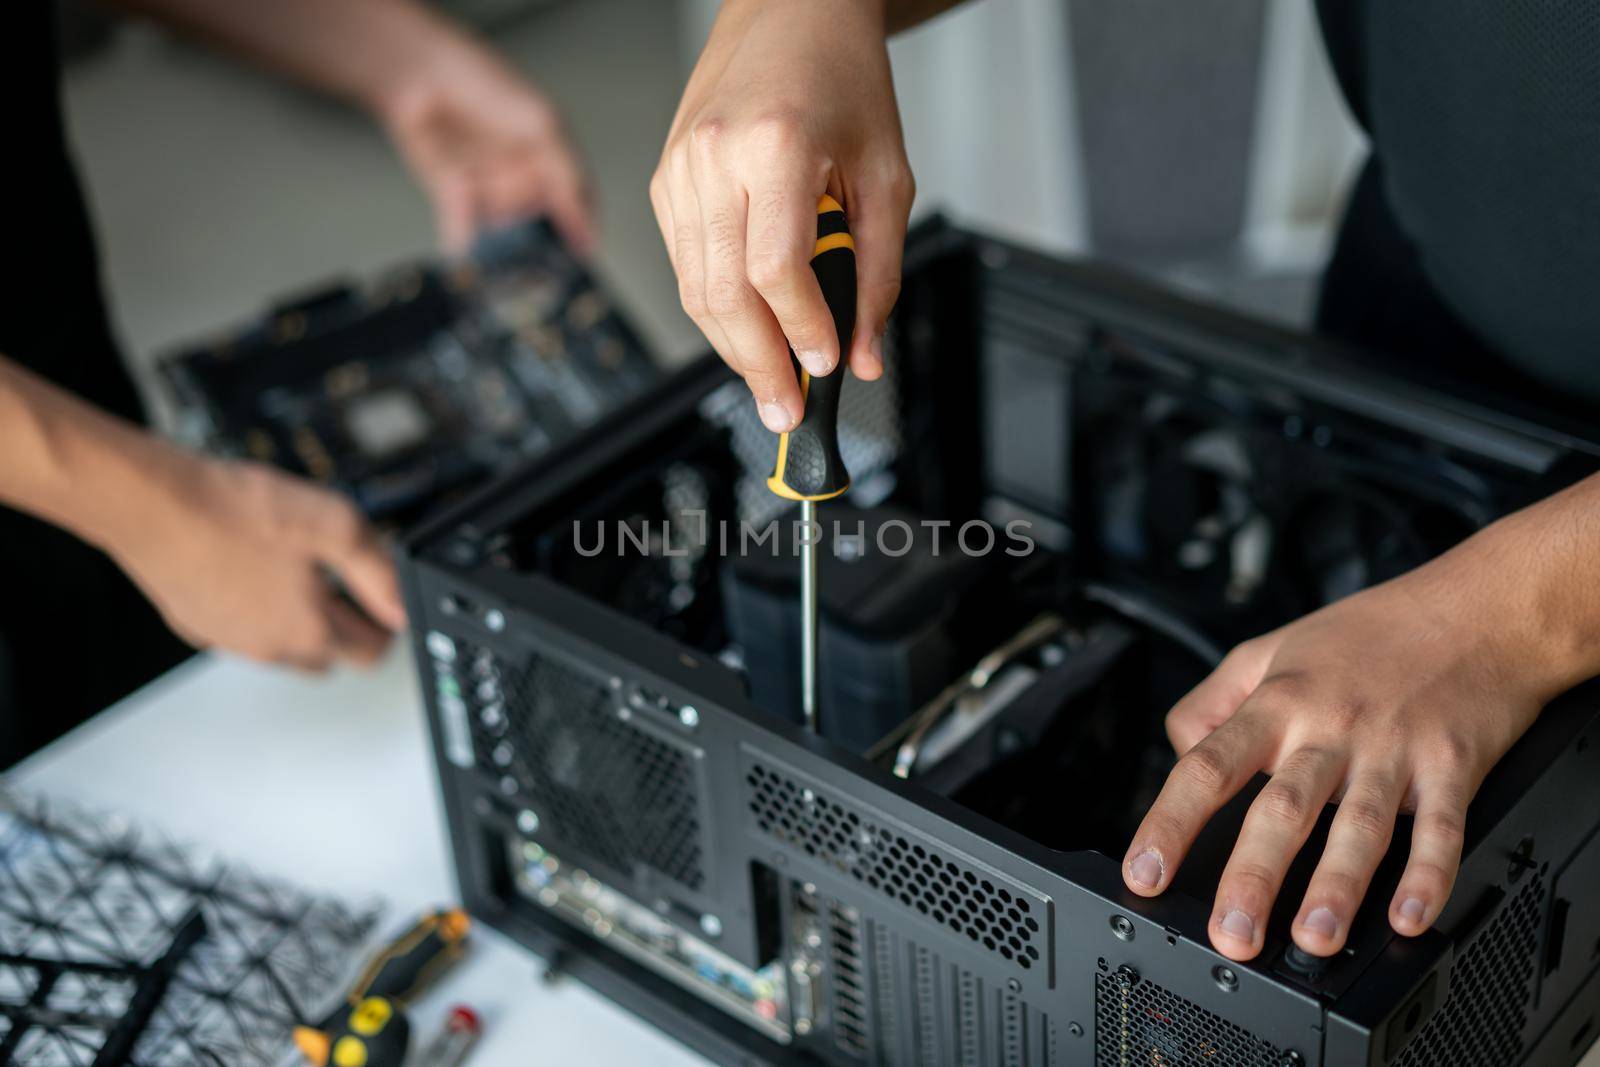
(945, 937)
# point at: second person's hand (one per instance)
(488, 147)
(791, 99)
(238, 556)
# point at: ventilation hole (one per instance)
(1481, 1020)
(601, 786)
(1138, 1021)
(914, 874)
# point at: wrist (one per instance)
(404, 48)
(134, 486)
(436, 57)
(1521, 584)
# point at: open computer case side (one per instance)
(978, 944)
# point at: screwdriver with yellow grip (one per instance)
(369, 1028)
(809, 468)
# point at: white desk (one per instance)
(329, 782)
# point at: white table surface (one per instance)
(329, 781)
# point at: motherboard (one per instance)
(423, 383)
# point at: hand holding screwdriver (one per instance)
(789, 100)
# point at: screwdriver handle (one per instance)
(370, 1027)
(410, 963)
(809, 466)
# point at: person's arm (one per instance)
(487, 147)
(1401, 697)
(790, 99)
(234, 555)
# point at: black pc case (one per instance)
(629, 794)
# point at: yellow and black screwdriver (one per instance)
(809, 467)
(369, 1028)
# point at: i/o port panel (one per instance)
(757, 997)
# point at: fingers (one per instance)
(571, 207)
(780, 244)
(543, 178)
(678, 214)
(336, 533)
(1205, 778)
(744, 318)
(456, 211)
(878, 210)
(354, 637)
(1436, 842)
(367, 570)
(1357, 841)
(1276, 826)
(1210, 704)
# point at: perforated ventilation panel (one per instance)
(603, 786)
(993, 912)
(1481, 1021)
(932, 1013)
(1139, 1022)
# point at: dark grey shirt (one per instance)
(1486, 116)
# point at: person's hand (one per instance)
(1401, 697)
(238, 556)
(791, 99)
(488, 148)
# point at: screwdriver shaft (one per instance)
(808, 614)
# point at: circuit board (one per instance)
(422, 384)
(87, 902)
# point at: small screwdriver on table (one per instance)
(369, 1027)
(809, 468)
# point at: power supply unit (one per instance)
(1072, 492)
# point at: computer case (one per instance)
(619, 802)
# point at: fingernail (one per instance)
(1413, 910)
(814, 360)
(1237, 924)
(1323, 922)
(775, 416)
(1146, 869)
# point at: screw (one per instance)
(1226, 980)
(1291, 1059)
(689, 716)
(710, 925)
(494, 619)
(528, 821)
(1013, 985)
(1122, 926)
(1075, 1029)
